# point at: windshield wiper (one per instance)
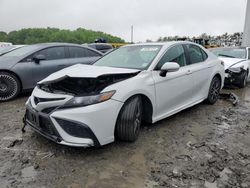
(226, 55)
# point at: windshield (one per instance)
(6, 49)
(230, 52)
(21, 51)
(130, 57)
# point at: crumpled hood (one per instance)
(8, 62)
(228, 62)
(85, 71)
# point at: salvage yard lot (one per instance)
(204, 146)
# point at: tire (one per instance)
(243, 80)
(9, 86)
(129, 120)
(214, 90)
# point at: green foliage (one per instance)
(40, 35)
(3, 36)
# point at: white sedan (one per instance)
(92, 105)
(237, 64)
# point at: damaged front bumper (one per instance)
(86, 126)
(42, 123)
(233, 77)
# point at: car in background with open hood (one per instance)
(237, 64)
(92, 105)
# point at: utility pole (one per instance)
(132, 34)
(246, 33)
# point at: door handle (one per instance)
(189, 72)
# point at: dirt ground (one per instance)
(204, 146)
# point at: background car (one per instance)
(102, 47)
(85, 105)
(22, 68)
(5, 44)
(237, 63)
(4, 50)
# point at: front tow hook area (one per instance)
(24, 124)
(231, 97)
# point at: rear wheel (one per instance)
(214, 90)
(9, 86)
(129, 120)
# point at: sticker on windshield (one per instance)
(150, 49)
(144, 64)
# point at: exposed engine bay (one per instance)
(83, 86)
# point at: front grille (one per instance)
(40, 100)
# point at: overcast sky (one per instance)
(151, 18)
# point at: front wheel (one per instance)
(243, 80)
(9, 86)
(214, 90)
(129, 120)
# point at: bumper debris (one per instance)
(231, 97)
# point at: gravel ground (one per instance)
(203, 146)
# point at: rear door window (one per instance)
(52, 53)
(248, 53)
(204, 54)
(90, 53)
(196, 54)
(78, 52)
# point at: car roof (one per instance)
(165, 44)
(41, 46)
(56, 44)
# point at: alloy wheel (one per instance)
(8, 87)
(215, 89)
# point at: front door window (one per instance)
(174, 54)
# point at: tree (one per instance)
(42, 35)
(2, 36)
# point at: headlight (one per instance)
(88, 100)
(235, 69)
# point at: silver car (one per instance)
(22, 68)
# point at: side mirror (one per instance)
(38, 58)
(169, 67)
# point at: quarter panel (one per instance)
(24, 71)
